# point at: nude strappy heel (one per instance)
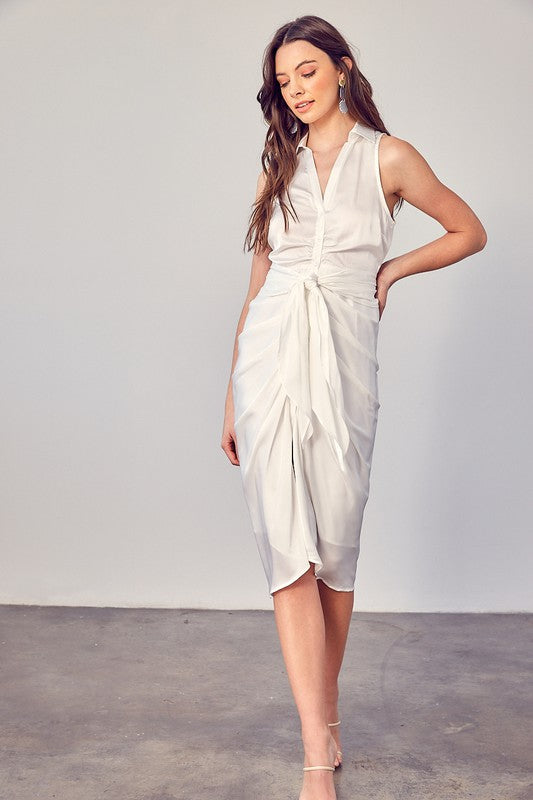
(308, 769)
(333, 725)
(329, 769)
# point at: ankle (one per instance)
(332, 703)
(320, 750)
(316, 738)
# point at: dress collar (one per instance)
(359, 129)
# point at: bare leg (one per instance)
(300, 623)
(337, 609)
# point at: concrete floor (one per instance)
(132, 704)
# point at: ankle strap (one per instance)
(308, 769)
(332, 724)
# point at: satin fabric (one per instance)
(305, 383)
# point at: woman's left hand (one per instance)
(383, 284)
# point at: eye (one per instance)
(307, 75)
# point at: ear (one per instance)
(347, 61)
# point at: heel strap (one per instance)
(332, 724)
(308, 769)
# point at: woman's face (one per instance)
(306, 74)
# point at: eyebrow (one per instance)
(307, 61)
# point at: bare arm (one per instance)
(260, 266)
(407, 174)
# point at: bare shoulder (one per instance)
(407, 173)
(397, 155)
(390, 155)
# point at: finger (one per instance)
(229, 446)
(231, 455)
(236, 449)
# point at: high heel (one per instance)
(309, 769)
(339, 752)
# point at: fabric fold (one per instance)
(307, 360)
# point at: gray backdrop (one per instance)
(130, 146)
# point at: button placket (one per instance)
(322, 202)
(320, 228)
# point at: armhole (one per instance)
(378, 179)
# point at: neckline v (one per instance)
(322, 198)
(354, 131)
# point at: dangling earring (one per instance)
(294, 127)
(342, 102)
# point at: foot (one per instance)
(335, 733)
(318, 784)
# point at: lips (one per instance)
(302, 107)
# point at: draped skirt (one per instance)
(305, 394)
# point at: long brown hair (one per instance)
(278, 158)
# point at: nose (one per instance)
(295, 90)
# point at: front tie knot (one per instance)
(311, 280)
(308, 365)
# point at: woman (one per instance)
(302, 400)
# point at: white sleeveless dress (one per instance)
(305, 383)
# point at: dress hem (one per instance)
(294, 579)
(318, 578)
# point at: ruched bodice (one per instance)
(351, 227)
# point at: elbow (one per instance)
(477, 239)
(480, 236)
